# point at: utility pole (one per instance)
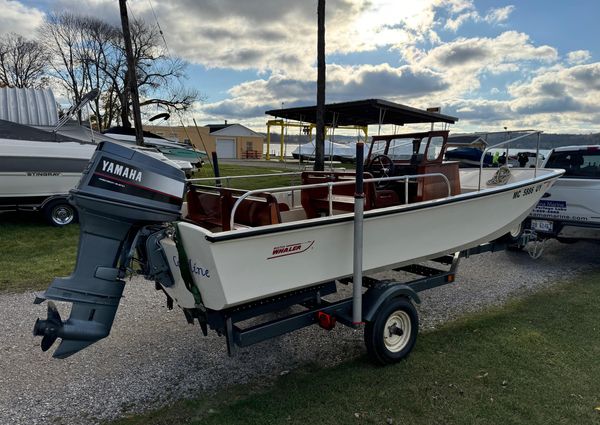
(133, 87)
(320, 141)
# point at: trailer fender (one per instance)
(377, 296)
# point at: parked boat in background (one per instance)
(333, 151)
(175, 151)
(467, 150)
(42, 157)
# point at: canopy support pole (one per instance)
(359, 199)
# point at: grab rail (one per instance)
(528, 133)
(227, 178)
(330, 186)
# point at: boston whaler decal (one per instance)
(291, 249)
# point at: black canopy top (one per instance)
(363, 113)
(16, 131)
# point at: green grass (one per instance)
(532, 362)
(33, 253)
(253, 183)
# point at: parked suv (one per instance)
(570, 210)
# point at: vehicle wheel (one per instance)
(515, 234)
(392, 334)
(60, 213)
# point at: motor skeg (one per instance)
(120, 191)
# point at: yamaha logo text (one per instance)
(121, 171)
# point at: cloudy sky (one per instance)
(492, 63)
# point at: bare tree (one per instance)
(159, 76)
(320, 136)
(98, 37)
(89, 53)
(62, 36)
(22, 62)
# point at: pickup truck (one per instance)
(570, 210)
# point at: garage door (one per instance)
(226, 148)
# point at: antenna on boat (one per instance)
(85, 99)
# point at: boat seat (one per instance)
(315, 201)
(212, 210)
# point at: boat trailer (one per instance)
(390, 318)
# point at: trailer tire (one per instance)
(392, 334)
(59, 213)
(515, 234)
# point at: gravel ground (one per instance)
(153, 357)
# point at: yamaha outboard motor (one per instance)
(120, 191)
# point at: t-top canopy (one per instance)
(363, 113)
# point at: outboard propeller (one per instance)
(48, 328)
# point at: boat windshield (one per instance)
(400, 149)
(435, 147)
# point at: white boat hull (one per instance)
(32, 170)
(239, 266)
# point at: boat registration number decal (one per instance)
(521, 193)
(291, 249)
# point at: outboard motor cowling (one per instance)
(120, 191)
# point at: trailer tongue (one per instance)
(120, 191)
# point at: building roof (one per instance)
(216, 127)
(232, 130)
(28, 106)
(363, 113)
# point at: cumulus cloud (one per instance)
(508, 47)
(343, 83)
(578, 56)
(454, 23)
(465, 60)
(499, 15)
(16, 17)
(467, 12)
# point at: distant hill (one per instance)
(547, 140)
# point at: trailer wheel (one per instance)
(59, 213)
(514, 235)
(392, 334)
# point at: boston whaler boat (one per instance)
(229, 255)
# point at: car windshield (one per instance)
(580, 163)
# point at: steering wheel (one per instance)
(381, 166)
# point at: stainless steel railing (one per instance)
(331, 185)
(522, 136)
